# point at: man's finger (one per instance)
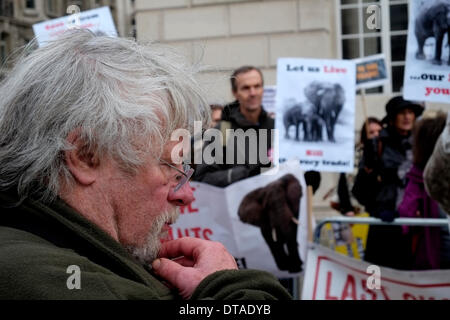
(167, 269)
(180, 247)
(176, 275)
(185, 262)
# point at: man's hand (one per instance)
(195, 260)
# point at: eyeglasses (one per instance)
(186, 174)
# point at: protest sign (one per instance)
(269, 99)
(371, 71)
(332, 276)
(427, 69)
(315, 113)
(97, 20)
(214, 215)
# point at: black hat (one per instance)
(397, 104)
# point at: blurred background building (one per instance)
(18, 16)
(226, 34)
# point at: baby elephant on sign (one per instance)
(304, 114)
(275, 209)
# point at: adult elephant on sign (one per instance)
(328, 99)
(433, 20)
(293, 117)
(275, 209)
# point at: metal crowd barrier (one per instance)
(375, 221)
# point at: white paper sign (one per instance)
(427, 72)
(97, 20)
(269, 99)
(332, 276)
(316, 113)
(213, 215)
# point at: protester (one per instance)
(196, 141)
(436, 179)
(380, 182)
(344, 204)
(437, 170)
(88, 181)
(246, 113)
(216, 114)
(373, 131)
(426, 241)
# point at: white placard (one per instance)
(316, 113)
(269, 99)
(214, 216)
(97, 20)
(332, 276)
(426, 79)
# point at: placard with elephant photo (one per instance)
(261, 220)
(427, 69)
(315, 113)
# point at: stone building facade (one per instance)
(226, 34)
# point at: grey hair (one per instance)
(122, 98)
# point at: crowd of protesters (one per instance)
(389, 181)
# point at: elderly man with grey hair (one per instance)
(88, 184)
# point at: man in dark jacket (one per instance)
(247, 151)
(381, 180)
(89, 184)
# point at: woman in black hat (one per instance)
(380, 182)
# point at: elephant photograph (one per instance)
(316, 115)
(275, 210)
(433, 21)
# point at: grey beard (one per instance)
(148, 252)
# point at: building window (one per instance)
(3, 48)
(357, 40)
(80, 3)
(133, 28)
(29, 4)
(29, 8)
(6, 9)
(52, 8)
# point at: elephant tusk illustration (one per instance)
(295, 220)
(274, 235)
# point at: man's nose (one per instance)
(183, 196)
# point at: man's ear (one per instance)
(82, 163)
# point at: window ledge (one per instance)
(30, 12)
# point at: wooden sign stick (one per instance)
(309, 200)
(364, 104)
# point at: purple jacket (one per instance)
(428, 239)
